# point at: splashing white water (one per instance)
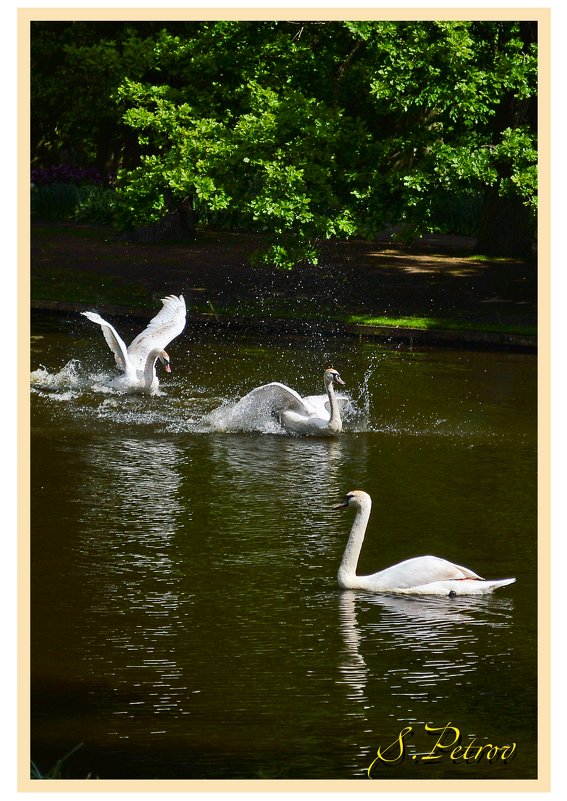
(256, 413)
(181, 409)
(243, 416)
(43, 379)
(360, 408)
(70, 382)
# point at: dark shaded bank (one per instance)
(435, 293)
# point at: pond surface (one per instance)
(186, 618)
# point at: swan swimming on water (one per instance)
(314, 414)
(138, 361)
(422, 575)
(318, 415)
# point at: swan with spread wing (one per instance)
(316, 415)
(138, 361)
(422, 575)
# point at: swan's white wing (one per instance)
(256, 410)
(422, 570)
(113, 340)
(168, 323)
(275, 397)
(320, 403)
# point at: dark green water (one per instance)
(186, 619)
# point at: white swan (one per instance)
(423, 575)
(318, 415)
(138, 361)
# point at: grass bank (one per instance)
(439, 285)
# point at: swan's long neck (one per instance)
(347, 571)
(150, 368)
(335, 422)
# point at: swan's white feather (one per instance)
(168, 323)
(454, 587)
(311, 415)
(142, 354)
(274, 397)
(279, 399)
(279, 402)
(421, 575)
(419, 571)
(322, 406)
(113, 340)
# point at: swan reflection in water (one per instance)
(128, 547)
(259, 460)
(266, 463)
(414, 652)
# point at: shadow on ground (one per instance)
(437, 280)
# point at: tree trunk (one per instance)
(177, 225)
(506, 229)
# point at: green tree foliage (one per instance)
(305, 131)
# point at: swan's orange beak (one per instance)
(167, 367)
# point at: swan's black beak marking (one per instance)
(342, 505)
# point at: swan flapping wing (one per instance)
(256, 410)
(321, 406)
(113, 340)
(275, 397)
(168, 323)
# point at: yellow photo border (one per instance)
(542, 783)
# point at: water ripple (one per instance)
(435, 643)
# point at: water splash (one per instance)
(244, 416)
(361, 408)
(258, 412)
(43, 379)
(69, 382)
(200, 398)
(182, 408)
